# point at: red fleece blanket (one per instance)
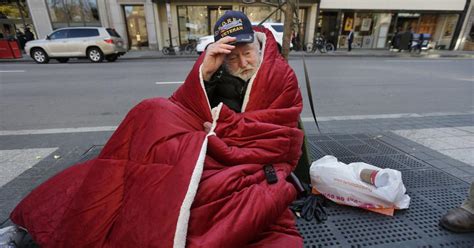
(161, 181)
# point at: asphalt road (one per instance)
(82, 94)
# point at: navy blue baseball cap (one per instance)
(234, 24)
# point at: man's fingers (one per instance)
(226, 46)
(222, 46)
(223, 50)
(207, 126)
(226, 40)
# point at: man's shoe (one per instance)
(458, 220)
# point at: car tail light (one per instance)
(110, 41)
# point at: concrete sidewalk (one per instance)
(384, 53)
(435, 154)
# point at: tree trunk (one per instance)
(288, 28)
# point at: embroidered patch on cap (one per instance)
(235, 24)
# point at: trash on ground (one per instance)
(359, 185)
(9, 236)
(57, 157)
(310, 208)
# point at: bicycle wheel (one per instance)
(329, 47)
(309, 48)
(165, 51)
(189, 49)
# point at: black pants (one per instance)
(349, 48)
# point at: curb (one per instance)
(345, 55)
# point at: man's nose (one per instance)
(242, 61)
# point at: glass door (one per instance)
(136, 26)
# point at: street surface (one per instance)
(82, 94)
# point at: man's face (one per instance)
(243, 61)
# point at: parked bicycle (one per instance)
(167, 50)
(320, 43)
(188, 48)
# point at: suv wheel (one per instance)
(62, 60)
(111, 58)
(95, 55)
(40, 56)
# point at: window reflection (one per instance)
(15, 21)
(136, 26)
(259, 13)
(13, 9)
(57, 12)
(66, 13)
(193, 23)
(74, 9)
(91, 14)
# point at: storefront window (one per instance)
(15, 21)
(407, 21)
(427, 24)
(363, 25)
(57, 13)
(445, 30)
(74, 9)
(67, 13)
(259, 13)
(215, 12)
(450, 26)
(371, 30)
(193, 23)
(13, 9)
(91, 13)
(136, 26)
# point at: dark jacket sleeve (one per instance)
(210, 89)
(211, 85)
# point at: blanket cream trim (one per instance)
(201, 81)
(185, 210)
(263, 39)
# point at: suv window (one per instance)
(112, 32)
(278, 28)
(83, 32)
(60, 34)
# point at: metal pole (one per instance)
(168, 13)
(318, 9)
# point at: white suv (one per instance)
(275, 28)
(94, 43)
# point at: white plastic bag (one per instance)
(341, 183)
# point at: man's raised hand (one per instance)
(215, 55)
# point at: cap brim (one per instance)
(244, 38)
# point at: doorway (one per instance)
(136, 26)
(329, 26)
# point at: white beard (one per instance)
(244, 76)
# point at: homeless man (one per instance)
(161, 181)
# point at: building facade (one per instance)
(466, 40)
(153, 24)
(376, 22)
